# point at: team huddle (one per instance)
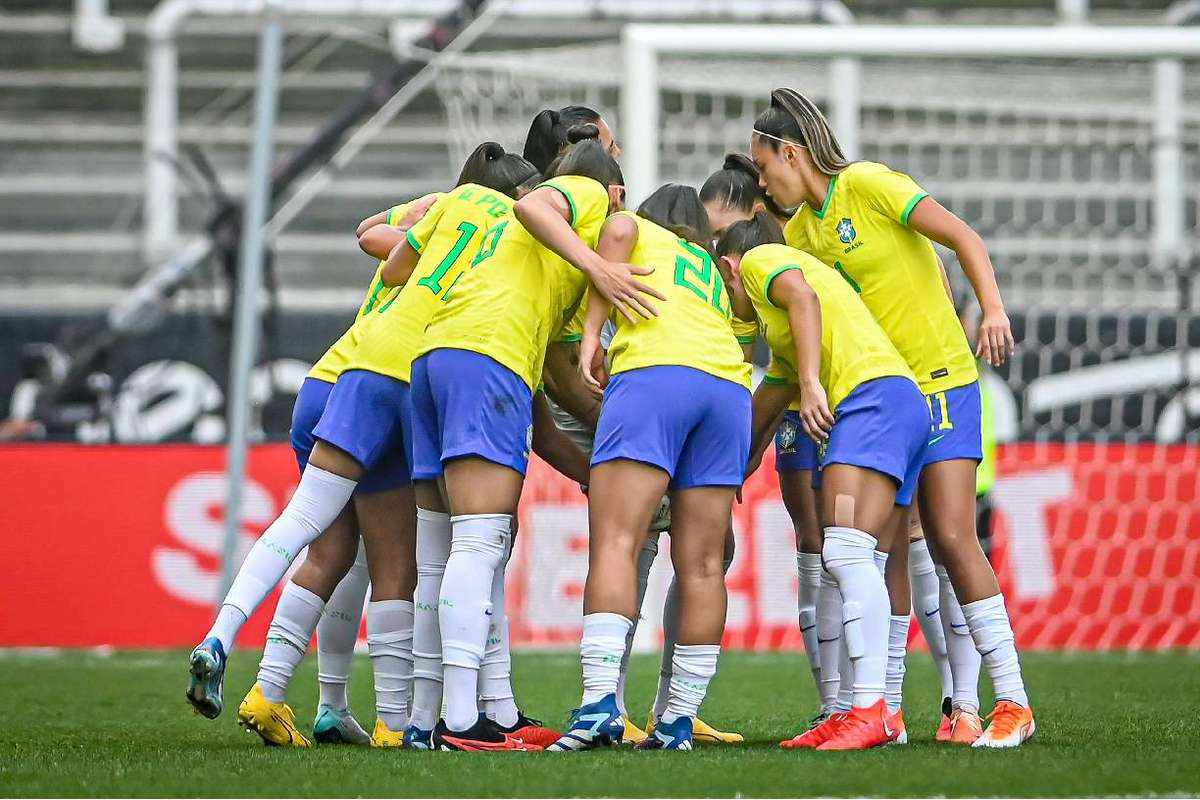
(524, 309)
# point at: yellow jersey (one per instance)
(333, 363)
(854, 349)
(693, 327)
(517, 296)
(861, 230)
(746, 332)
(447, 237)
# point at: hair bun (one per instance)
(580, 133)
(492, 150)
(738, 162)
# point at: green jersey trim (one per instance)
(908, 209)
(412, 241)
(748, 339)
(570, 200)
(771, 379)
(572, 337)
(828, 197)
(771, 279)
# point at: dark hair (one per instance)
(548, 133)
(678, 209)
(795, 118)
(588, 158)
(736, 185)
(742, 237)
(489, 165)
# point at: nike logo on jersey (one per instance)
(936, 439)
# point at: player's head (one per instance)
(740, 238)
(587, 157)
(489, 165)
(792, 138)
(547, 137)
(732, 194)
(678, 209)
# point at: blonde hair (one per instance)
(793, 118)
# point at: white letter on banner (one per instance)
(775, 551)
(560, 557)
(1023, 499)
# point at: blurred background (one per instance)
(125, 136)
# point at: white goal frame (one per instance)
(643, 43)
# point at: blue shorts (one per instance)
(691, 424)
(957, 430)
(310, 404)
(466, 404)
(364, 416)
(794, 449)
(882, 425)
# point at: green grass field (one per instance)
(83, 724)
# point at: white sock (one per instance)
(229, 621)
(694, 666)
(495, 671)
(477, 548)
(433, 549)
(337, 633)
(897, 650)
(829, 641)
(314, 506)
(670, 638)
(645, 561)
(389, 641)
(291, 630)
(600, 652)
(923, 580)
(850, 555)
(993, 634)
(960, 647)
(808, 566)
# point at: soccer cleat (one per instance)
(820, 730)
(897, 724)
(335, 726)
(943, 731)
(206, 677)
(1010, 725)
(864, 728)
(533, 731)
(484, 735)
(704, 733)
(273, 722)
(675, 735)
(597, 724)
(633, 734)
(965, 726)
(417, 739)
(383, 736)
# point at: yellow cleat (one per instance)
(275, 723)
(385, 736)
(702, 732)
(633, 734)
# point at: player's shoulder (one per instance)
(863, 171)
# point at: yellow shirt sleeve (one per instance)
(780, 373)
(573, 330)
(891, 193)
(588, 201)
(418, 235)
(746, 332)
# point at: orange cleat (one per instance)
(943, 731)
(864, 728)
(819, 733)
(1011, 725)
(533, 732)
(965, 726)
(897, 724)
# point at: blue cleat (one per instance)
(417, 739)
(206, 676)
(676, 735)
(597, 724)
(338, 727)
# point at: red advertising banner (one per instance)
(1097, 546)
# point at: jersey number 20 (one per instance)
(707, 284)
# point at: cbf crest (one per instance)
(845, 230)
(786, 438)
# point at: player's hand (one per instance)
(591, 364)
(619, 286)
(815, 415)
(416, 211)
(995, 341)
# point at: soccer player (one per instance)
(547, 138)
(359, 450)
(473, 405)
(860, 402)
(875, 227)
(675, 417)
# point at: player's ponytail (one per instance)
(586, 157)
(736, 186)
(678, 209)
(489, 165)
(548, 133)
(742, 237)
(793, 118)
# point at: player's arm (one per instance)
(546, 214)
(617, 240)
(377, 238)
(553, 446)
(932, 220)
(401, 262)
(768, 405)
(792, 293)
(560, 374)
